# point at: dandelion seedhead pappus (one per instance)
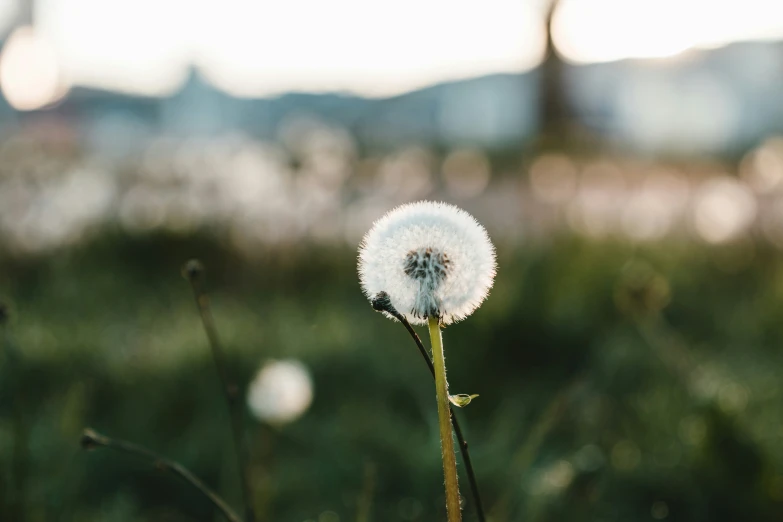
(431, 259)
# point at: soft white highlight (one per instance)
(281, 392)
(432, 259)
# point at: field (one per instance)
(617, 381)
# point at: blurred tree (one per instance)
(26, 12)
(557, 122)
(553, 104)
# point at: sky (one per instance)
(258, 48)
(587, 31)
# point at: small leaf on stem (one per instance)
(461, 400)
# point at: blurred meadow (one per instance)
(626, 158)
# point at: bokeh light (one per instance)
(724, 209)
(280, 392)
(637, 25)
(762, 167)
(553, 178)
(606, 30)
(29, 71)
(466, 173)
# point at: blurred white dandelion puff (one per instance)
(432, 259)
(280, 392)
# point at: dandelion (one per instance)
(433, 259)
(429, 263)
(281, 392)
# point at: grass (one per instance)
(108, 337)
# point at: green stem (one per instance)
(463, 444)
(382, 303)
(444, 423)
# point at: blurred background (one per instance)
(626, 158)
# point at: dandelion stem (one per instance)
(444, 423)
(194, 272)
(92, 439)
(463, 444)
(382, 303)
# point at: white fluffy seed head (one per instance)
(432, 259)
(281, 392)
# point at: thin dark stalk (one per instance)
(382, 303)
(91, 439)
(194, 272)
